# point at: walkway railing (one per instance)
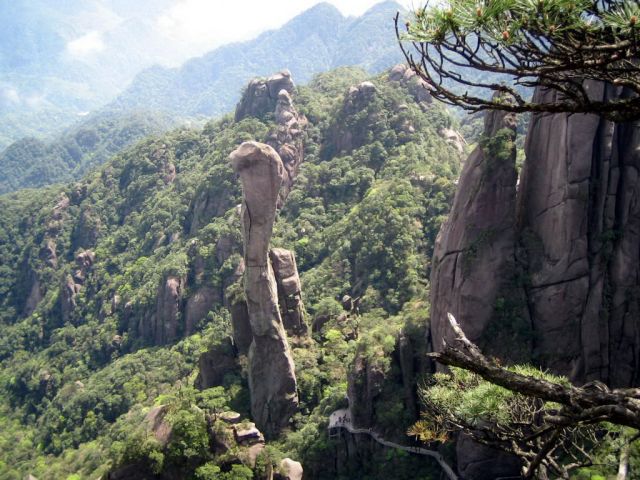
(342, 419)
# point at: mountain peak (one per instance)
(386, 6)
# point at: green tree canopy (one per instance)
(467, 49)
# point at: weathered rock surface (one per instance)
(287, 140)
(272, 380)
(289, 290)
(477, 462)
(419, 88)
(290, 469)
(247, 434)
(579, 214)
(475, 248)
(453, 138)
(365, 383)
(273, 96)
(572, 236)
(72, 284)
(241, 326)
(348, 137)
(261, 95)
(168, 307)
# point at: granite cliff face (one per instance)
(475, 248)
(272, 380)
(573, 236)
(579, 220)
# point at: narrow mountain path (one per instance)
(342, 419)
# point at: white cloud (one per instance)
(86, 45)
(11, 95)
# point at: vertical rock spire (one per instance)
(272, 379)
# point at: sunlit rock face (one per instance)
(474, 256)
(272, 379)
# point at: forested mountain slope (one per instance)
(112, 289)
(32, 163)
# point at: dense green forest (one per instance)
(32, 163)
(86, 267)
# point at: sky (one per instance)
(198, 26)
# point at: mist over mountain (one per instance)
(50, 81)
(61, 59)
(318, 40)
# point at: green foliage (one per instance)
(32, 163)
(76, 383)
(506, 22)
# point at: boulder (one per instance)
(247, 433)
(155, 421)
(290, 469)
(272, 380)
(231, 418)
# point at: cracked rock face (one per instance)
(575, 241)
(287, 140)
(261, 96)
(272, 379)
(579, 218)
(289, 291)
(476, 245)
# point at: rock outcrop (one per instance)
(272, 380)
(474, 253)
(419, 88)
(579, 223)
(168, 309)
(549, 275)
(349, 137)
(289, 291)
(287, 140)
(261, 95)
(213, 365)
(290, 470)
(272, 96)
(72, 284)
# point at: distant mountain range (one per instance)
(62, 58)
(317, 40)
(31, 162)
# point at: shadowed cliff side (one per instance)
(272, 380)
(474, 255)
(576, 246)
(579, 215)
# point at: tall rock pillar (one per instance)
(272, 379)
(474, 255)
